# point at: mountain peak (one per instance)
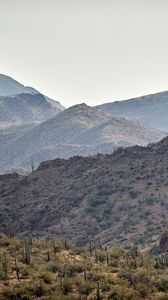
(86, 113)
(79, 106)
(83, 107)
(23, 106)
(11, 87)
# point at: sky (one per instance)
(91, 51)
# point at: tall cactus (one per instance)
(16, 267)
(98, 292)
(26, 251)
(48, 250)
(5, 266)
(85, 275)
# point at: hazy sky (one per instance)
(90, 51)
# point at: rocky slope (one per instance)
(120, 197)
(151, 110)
(24, 109)
(79, 130)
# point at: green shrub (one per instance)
(46, 277)
(38, 288)
(17, 292)
(67, 286)
(143, 289)
(123, 293)
(23, 271)
(85, 288)
(162, 283)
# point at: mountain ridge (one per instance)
(11, 87)
(119, 197)
(149, 109)
(78, 130)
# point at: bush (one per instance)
(64, 297)
(4, 241)
(23, 271)
(133, 194)
(162, 284)
(67, 286)
(72, 268)
(85, 288)
(46, 277)
(123, 293)
(143, 289)
(55, 267)
(38, 289)
(17, 292)
(105, 287)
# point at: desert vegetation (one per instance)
(49, 269)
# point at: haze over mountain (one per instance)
(104, 195)
(23, 107)
(151, 110)
(36, 128)
(10, 87)
(79, 130)
(120, 197)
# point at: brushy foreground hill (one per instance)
(119, 198)
(151, 110)
(52, 270)
(79, 130)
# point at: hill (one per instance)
(51, 269)
(24, 109)
(79, 130)
(119, 198)
(151, 110)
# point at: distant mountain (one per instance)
(23, 107)
(120, 198)
(24, 110)
(119, 131)
(151, 110)
(11, 87)
(79, 130)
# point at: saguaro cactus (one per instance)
(26, 251)
(5, 266)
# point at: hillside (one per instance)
(119, 132)
(151, 110)
(24, 109)
(119, 198)
(79, 130)
(57, 270)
